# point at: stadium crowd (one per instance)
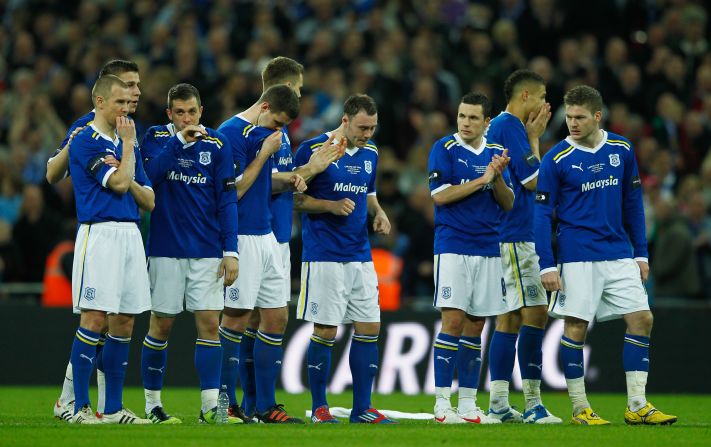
(650, 60)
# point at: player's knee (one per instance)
(509, 322)
(274, 321)
(452, 323)
(323, 331)
(640, 323)
(575, 329)
(536, 316)
(473, 327)
(94, 321)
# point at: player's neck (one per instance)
(516, 110)
(252, 114)
(104, 126)
(339, 133)
(592, 140)
(473, 142)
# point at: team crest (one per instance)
(561, 300)
(234, 294)
(314, 308)
(446, 292)
(614, 160)
(532, 291)
(368, 166)
(89, 293)
(205, 158)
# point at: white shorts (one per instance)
(109, 272)
(334, 293)
(522, 275)
(473, 284)
(285, 257)
(175, 281)
(260, 282)
(603, 290)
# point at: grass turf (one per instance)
(26, 420)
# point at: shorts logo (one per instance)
(532, 291)
(561, 300)
(614, 160)
(368, 166)
(503, 287)
(89, 293)
(314, 308)
(446, 292)
(234, 294)
(205, 158)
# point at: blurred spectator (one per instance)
(10, 255)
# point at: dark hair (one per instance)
(519, 77)
(584, 95)
(475, 98)
(118, 66)
(359, 102)
(182, 92)
(103, 85)
(281, 70)
(281, 99)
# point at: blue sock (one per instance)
(267, 360)
(502, 355)
(469, 362)
(99, 349)
(208, 360)
(530, 352)
(154, 358)
(115, 362)
(246, 371)
(82, 359)
(571, 356)
(635, 353)
(231, 342)
(445, 358)
(363, 360)
(318, 361)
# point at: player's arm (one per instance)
(503, 194)
(321, 158)
(448, 193)
(546, 201)
(304, 203)
(287, 181)
(381, 223)
(144, 197)
(633, 213)
(120, 180)
(270, 146)
(226, 212)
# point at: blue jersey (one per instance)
(507, 131)
(196, 203)
(81, 122)
(283, 202)
(468, 226)
(331, 238)
(597, 197)
(255, 217)
(90, 175)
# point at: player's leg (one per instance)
(502, 356)
(445, 353)
(318, 361)
(154, 361)
(82, 359)
(246, 368)
(469, 370)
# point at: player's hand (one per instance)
(537, 121)
(500, 162)
(229, 269)
(381, 224)
(490, 173)
(110, 160)
(272, 143)
(643, 270)
(551, 281)
(74, 133)
(327, 154)
(126, 128)
(298, 183)
(193, 133)
(343, 207)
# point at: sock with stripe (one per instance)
(100, 376)
(246, 371)
(82, 359)
(154, 359)
(208, 362)
(115, 363)
(571, 356)
(635, 358)
(231, 343)
(469, 370)
(267, 360)
(530, 363)
(445, 360)
(363, 360)
(318, 361)
(502, 355)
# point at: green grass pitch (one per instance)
(26, 420)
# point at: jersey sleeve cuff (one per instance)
(233, 254)
(440, 189)
(641, 259)
(274, 170)
(105, 180)
(239, 178)
(530, 177)
(548, 270)
(372, 193)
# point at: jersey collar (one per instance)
(350, 151)
(591, 150)
(475, 150)
(114, 141)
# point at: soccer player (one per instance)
(255, 135)
(57, 169)
(192, 245)
(518, 129)
(109, 277)
(591, 181)
(469, 186)
(338, 280)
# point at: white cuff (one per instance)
(105, 180)
(530, 177)
(440, 189)
(233, 254)
(640, 259)
(147, 187)
(548, 270)
(180, 138)
(239, 177)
